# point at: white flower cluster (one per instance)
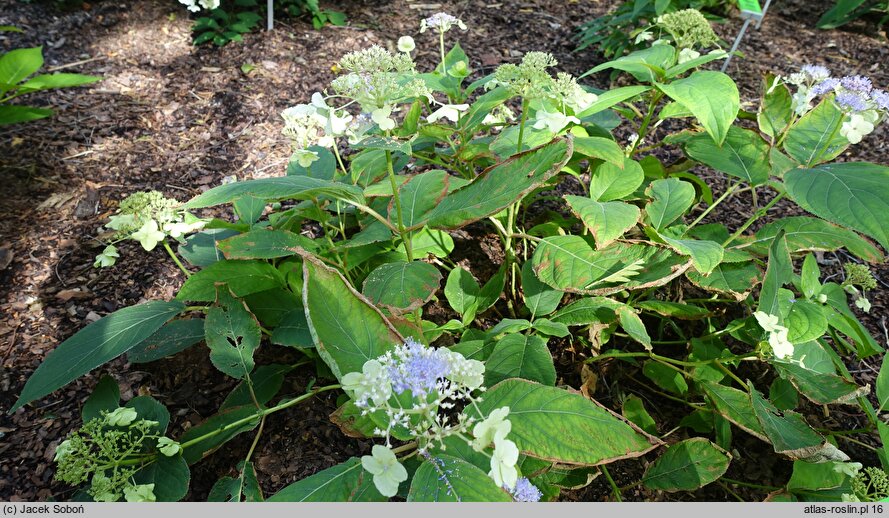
(441, 22)
(147, 217)
(315, 124)
(562, 96)
(411, 388)
(781, 346)
(196, 5)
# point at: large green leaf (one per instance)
(806, 321)
(61, 80)
(419, 195)
(520, 356)
(606, 221)
(686, 466)
(852, 194)
(670, 199)
(443, 478)
(175, 336)
(346, 328)
(240, 419)
(278, 188)
(569, 263)
(804, 233)
(711, 96)
(734, 405)
(499, 186)
(744, 154)
(242, 278)
(778, 273)
(233, 335)
(646, 65)
(540, 299)
(18, 64)
(97, 343)
(553, 424)
(819, 387)
(402, 286)
(776, 111)
(202, 248)
(600, 147)
(813, 139)
(170, 476)
(15, 113)
(789, 433)
(735, 279)
(465, 295)
(243, 488)
(610, 182)
(586, 311)
(611, 97)
(263, 244)
(705, 255)
(346, 482)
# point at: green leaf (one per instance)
(443, 478)
(789, 433)
(242, 278)
(568, 263)
(420, 195)
(548, 327)
(611, 97)
(883, 385)
(346, 482)
(520, 356)
(233, 335)
(842, 12)
(244, 488)
(744, 154)
(499, 186)
(783, 394)
(670, 199)
(711, 96)
(634, 410)
(775, 112)
(734, 405)
(600, 147)
(606, 221)
(735, 279)
(402, 287)
(778, 273)
(824, 479)
(13, 114)
(588, 310)
(18, 64)
(249, 209)
(97, 343)
(201, 249)
(805, 233)
(553, 424)
(673, 309)
(852, 194)
(61, 80)
(664, 377)
(610, 182)
(539, 298)
(632, 324)
(705, 255)
(228, 417)
(810, 275)
(106, 396)
(809, 141)
(170, 476)
(278, 188)
(174, 337)
(323, 169)
(293, 330)
(482, 106)
(646, 65)
(682, 68)
(687, 466)
(265, 382)
(805, 322)
(346, 328)
(820, 388)
(466, 297)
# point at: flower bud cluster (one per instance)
(196, 5)
(688, 28)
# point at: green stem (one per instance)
(339, 160)
(176, 259)
(444, 67)
(646, 122)
(719, 200)
(522, 124)
(748, 484)
(405, 236)
(614, 489)
(756, 215)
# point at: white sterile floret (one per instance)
(382, 117)
(191, 5)
(149, 235)
(501, 114)
(304, 157)
(801, 102)
(450, 112)
(442, 22)
(494, 427)
(209, 4)
(553, 121)
(686, 55)
(371, 384)
(406, 44)
(781, 346)
(469, 373)
(856, 128)
(387, 472)
(122, 416)
(107, 258)
(503, 462)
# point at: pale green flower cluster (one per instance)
(411, 389)
(98, 454)
(147, 217)
(859, 280)
(196, 5)
(689, 29)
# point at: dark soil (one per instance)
(179, 119)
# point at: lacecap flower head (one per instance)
(441, 22)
